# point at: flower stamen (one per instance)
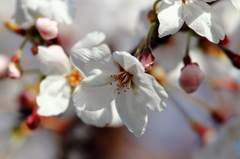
(124, 80)
(74, 78)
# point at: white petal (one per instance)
(94, 93)
(53, 60)
(22, 16)
(54, 95)
(170, 18)
(92, 39)
(116, 120)
(62, 11)
(104, 48)
(204, 20)
(99, 118)
(169, 1)
(104, 117)
(151, 91)
(128, 62)
(131, 108)
(236, 3)
(93, 61)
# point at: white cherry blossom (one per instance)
(27, 11)
(55, 89)
(54, 95)
(117, 78)
(197, 14)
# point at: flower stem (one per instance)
(187, 59)
(155, 5)
(24, 42)
(150, 33)
(140, 48)
(18, 54)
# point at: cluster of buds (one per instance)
(28, 110)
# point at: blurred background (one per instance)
(189, 126)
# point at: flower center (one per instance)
(184, 1)
(124, 79)
(74, 78)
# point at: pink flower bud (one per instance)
(147, 58)
(225, 41)
(47, 28)
(4, 60)
(14, 70)
(33, 120)
(191, 78)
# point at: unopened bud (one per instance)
(33, 120)
(47, 28)
(147, 58)
(225, 41)
(14, 70)
(4, 61)
(34, 49)
(191, 78)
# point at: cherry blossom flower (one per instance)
(54, 95)
(197, 14)
(27, 11)
(117, 78)
(55, 89)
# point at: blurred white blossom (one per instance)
(197, 14)
(27, 11)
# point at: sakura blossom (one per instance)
(118, 78)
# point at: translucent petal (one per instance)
(53, 60)
(54, 95)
